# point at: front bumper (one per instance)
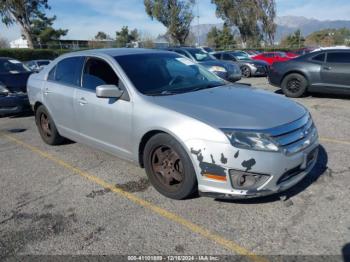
(275, 79)
(259, 70)
(229, 76)
(14, 104)
(220, 167)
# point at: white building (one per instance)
(19, 43)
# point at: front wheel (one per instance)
(294, 85)
(169, 167)
(246, 72)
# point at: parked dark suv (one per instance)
(13, 86)
(326, 71)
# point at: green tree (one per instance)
(30, 16)
(134, 35)
(226, 38)
(221, 39)
(329, 37)
(101, 36)
(213, 38)
(124, 37)
(43, 31)
(247, 15)
(175, 15)
(267, 9)
(295, 40)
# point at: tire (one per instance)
(47, 127)
(246, 72)
(169, 168)
(294, 85)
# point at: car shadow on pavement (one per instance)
(320, 169)
(346, 252)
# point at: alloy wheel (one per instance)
(167, 167)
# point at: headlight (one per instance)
(217, 69)
(251, 141)
(3, 90)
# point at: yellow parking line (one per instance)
(336, 141)
(228, 244)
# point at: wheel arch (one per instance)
(145, 138)
(36, 106)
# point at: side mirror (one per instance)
(108, 91)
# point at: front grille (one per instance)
(296, 136)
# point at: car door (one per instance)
(228, 57)
(59, 92)
(103, 122)
(336, 70)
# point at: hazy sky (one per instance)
(84, 18)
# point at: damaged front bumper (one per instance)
(224, 171)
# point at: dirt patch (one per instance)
(135, 186)
(102, 192)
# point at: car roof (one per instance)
(184, 48)
(7, 58)
(118, 51)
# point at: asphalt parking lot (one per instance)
(74, 200)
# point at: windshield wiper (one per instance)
(163, 93)
(208, 86)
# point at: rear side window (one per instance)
(67, 71)
(319, 57)
(340, 57)
(98, 72)
(217, 56)
(227, 57)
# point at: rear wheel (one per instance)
(246, 72)
(169, 168)
(294, 85)
(47, 127)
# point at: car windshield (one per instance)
(200, 55)
(12, 66)
(43, 63)
(241, 56)
(166, 74)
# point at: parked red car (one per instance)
(272, 57)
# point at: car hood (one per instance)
(234, 106)
(15, 82)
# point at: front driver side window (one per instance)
(98, 72)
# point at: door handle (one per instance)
(327, 68)
(82, 101)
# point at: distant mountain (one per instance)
(285, 26)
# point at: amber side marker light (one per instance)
(215, 177)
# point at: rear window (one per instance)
(12, 66)
(338, 57)
(319, 57)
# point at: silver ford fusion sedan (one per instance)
(191, 130)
